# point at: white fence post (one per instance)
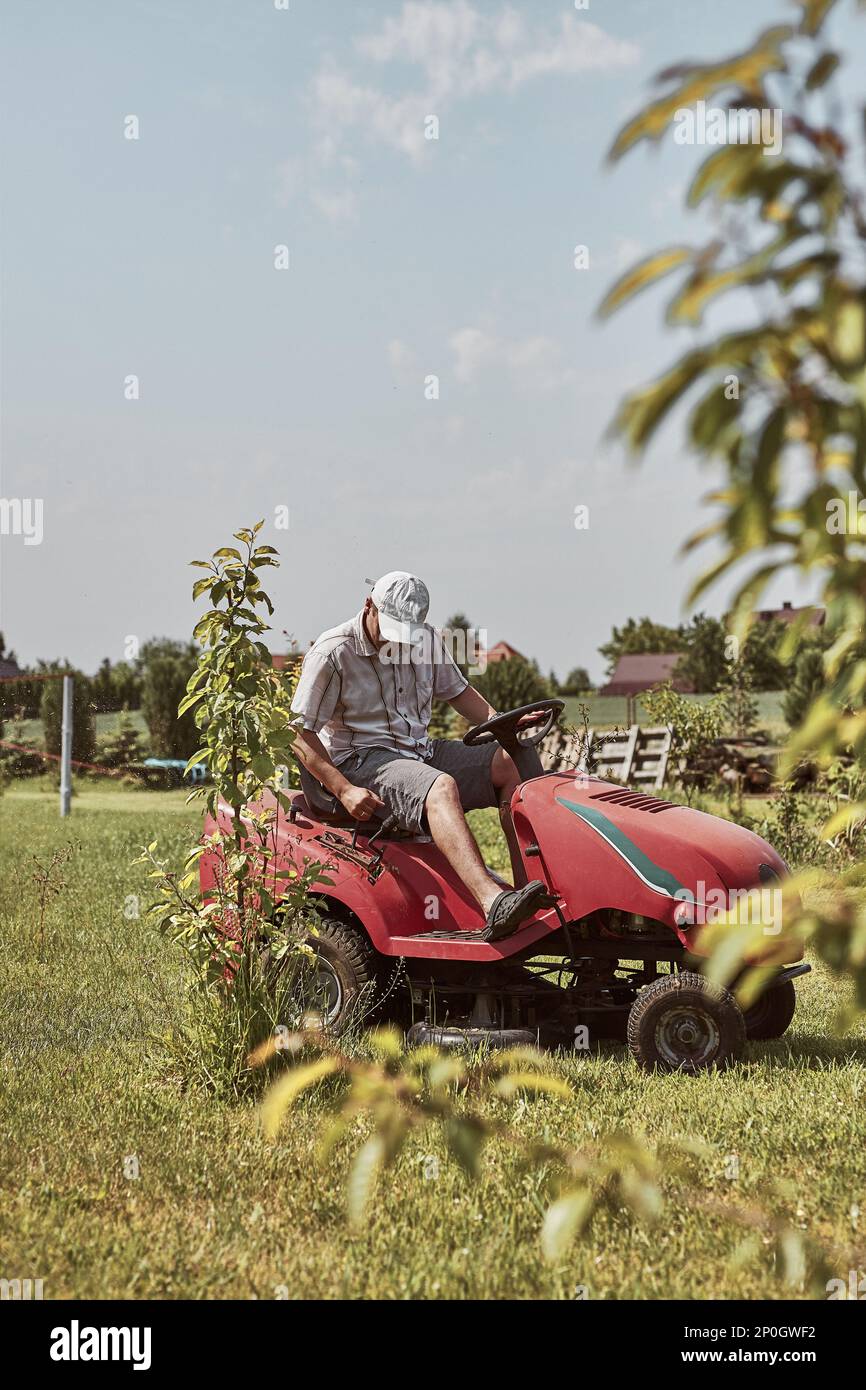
(66, 749)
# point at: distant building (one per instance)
(503, 651)
(10, 670)
(641, 671)
(787, 613)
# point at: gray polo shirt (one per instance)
(355, 696)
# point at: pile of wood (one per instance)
(747, 763)
(637, 756)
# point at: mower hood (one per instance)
(604, 846)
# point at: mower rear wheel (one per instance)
(681, 1022)
(770, 1015)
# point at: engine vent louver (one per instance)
(637, 801)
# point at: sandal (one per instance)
(512, 908)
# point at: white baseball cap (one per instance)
(402, 600)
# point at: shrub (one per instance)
(123, 745)
(693, 726)
(808, 681)
(167, 667)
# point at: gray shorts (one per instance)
(403, 783)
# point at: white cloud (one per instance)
(535, 362)
(458, 51)
(463, 52)
(342, 105)
(337, 206)
(400, 355)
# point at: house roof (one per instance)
(639, 671)
(503, 651)
(9, 670)
(787, 613)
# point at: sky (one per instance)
(164, 379)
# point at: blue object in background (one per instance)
(195, 774)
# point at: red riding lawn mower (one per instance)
(614, 952)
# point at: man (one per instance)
(364, 701)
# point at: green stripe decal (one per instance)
(658, 879)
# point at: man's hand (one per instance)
(361, 803)
(534, 716)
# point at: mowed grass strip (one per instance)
(219, 1211)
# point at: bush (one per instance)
(577, 682)
(808, 681)
(123, 745)
(694, 726)
(167, 667)
(24, 759)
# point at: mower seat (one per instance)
(318, 803)
(302, 807)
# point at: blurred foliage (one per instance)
(381, 1100)
(806, 685)
(780, 400)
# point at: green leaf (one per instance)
(699, 82)
(512, 1082)
(189, 700)
(465, 1137)
(283, 1094)
(814, 14)
(363, 1176)
(822, 70)
(641, 413)
(645, 273)
(564, 1221)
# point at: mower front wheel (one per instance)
(683, 1023)
(771, 1013)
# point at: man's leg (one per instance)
(452, 835)
(506, 779)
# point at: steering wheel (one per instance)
(503, 728)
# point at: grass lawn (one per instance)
(218, 1211)
(105, 724)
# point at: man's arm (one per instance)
(358, 801)
(472, 706)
